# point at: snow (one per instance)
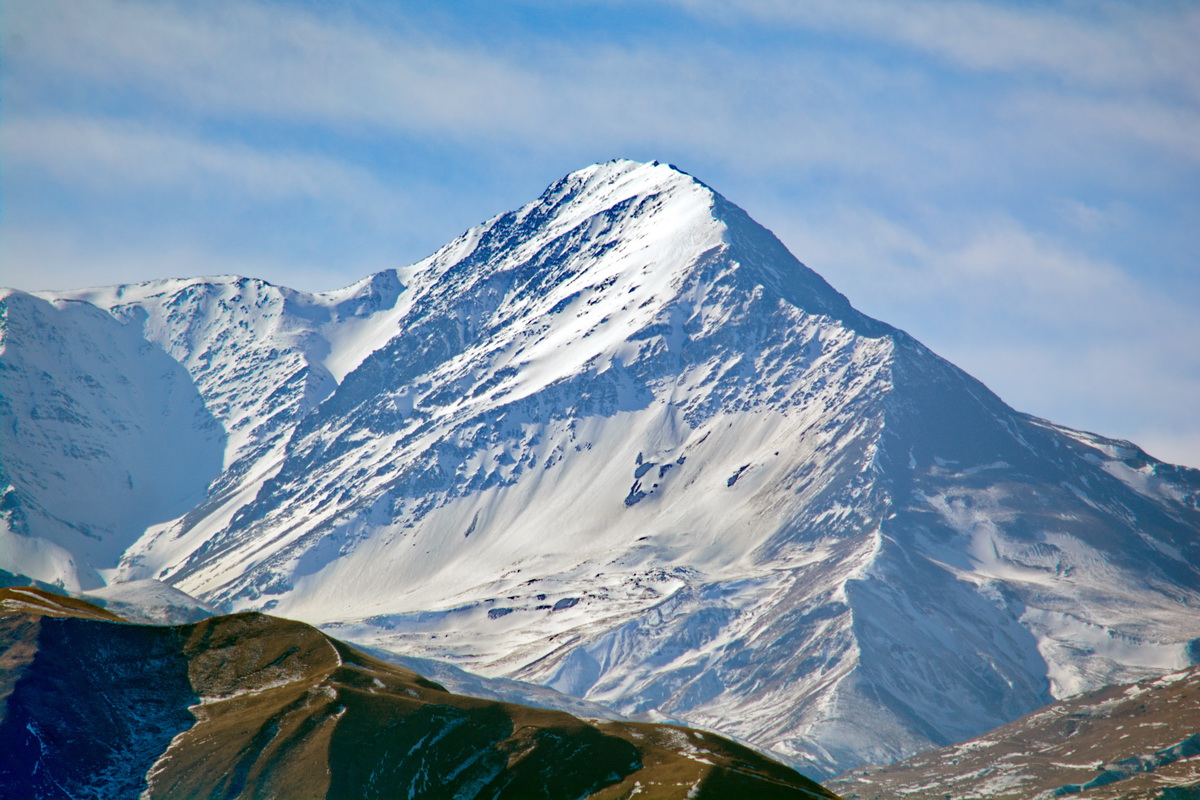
(517, 455)
(1063, 634)
(150, 601)
(145, 592)
(102, 461)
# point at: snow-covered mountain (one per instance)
(620, 442)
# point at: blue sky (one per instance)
(1015, 184)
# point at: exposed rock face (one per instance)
(250, 706)
(620, 442)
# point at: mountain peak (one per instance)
(617, 184)
(627, 172)
(630, 177)
(613, 220)
(621, 442)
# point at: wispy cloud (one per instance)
(991, 269)
(161, 201)
(1079, 128)
(271, 62)
(788, 108)
(117, 156)
(1107, 43)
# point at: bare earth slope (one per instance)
(1135, 742)
(620, 442)
(254, 706)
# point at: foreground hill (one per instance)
(619, 442)
(249, 706)
(1134, 742)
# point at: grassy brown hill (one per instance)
(1138, 741)
(252, 706)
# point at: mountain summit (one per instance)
(620, 442)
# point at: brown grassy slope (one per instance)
(248, 705)
(21, 609)
(1133, 742)
(92, 702)
(36, 602)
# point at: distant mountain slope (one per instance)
(622, 443)
(101, 435)
(150, 601)
(252, 706)
(1134, 742)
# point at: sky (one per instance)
(1015, 184)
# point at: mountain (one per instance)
(1138, 741)
(619, 442)
(253, 706)
(150, 601)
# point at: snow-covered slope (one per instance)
(150, 602)
(622, 443)
(101, 435)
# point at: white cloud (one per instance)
(751, 111)
(990, 262)
(1091, 219)
(1081, 128)
(273, 63)
(158, 201)
(1080, 83)
(126, 157)
(1109, 43)
(266, 60)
